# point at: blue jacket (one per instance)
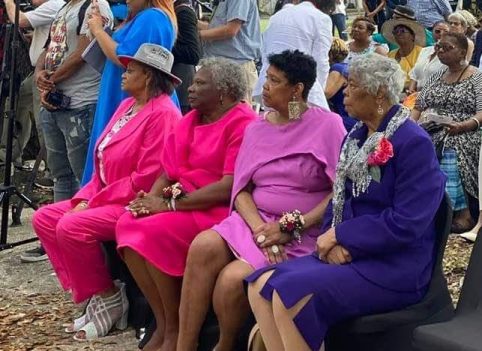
(390, 230)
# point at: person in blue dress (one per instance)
(337, 81)
(376, 250)
(148, 22)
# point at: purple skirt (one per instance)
(339, 292)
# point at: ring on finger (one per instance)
(275, 249)
(261, 239)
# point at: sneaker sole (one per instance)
(33, 259)
(45, 187)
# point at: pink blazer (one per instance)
(132, 158)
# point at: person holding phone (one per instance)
(68, 93)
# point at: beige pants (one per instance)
(251, 77)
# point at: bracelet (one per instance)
(172, 204)
(476, 121)
(292, 223)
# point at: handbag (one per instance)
(439, 139)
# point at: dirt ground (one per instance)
(33, 308)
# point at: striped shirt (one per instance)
(428, 12)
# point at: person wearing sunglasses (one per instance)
(410, 38)
(454, 92)
(428, 62)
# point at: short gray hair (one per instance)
(458, 16)
(228, 76)
(374, 71)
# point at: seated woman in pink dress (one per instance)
(128, 160)
(190, 196)
(286, 163)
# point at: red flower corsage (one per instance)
(175, 191)
(379, 157)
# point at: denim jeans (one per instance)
(67, 135)
(339, 21)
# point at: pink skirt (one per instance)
(162, 239)
(239, 237)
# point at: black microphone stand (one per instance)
(7, 189)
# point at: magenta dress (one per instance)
(291, 167)
(196, 155)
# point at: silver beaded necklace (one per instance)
(353, 163)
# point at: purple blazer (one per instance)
(390, 230)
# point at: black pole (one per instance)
(7, 178)
(7, 190)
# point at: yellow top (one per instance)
(407, 62)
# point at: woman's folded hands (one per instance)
(271, 240)
(330, 251)
(146, 204)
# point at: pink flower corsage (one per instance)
(172, 193)
(379, 157)
(175, 191)
(293, 224)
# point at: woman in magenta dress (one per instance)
(200, 156)
(287, 161)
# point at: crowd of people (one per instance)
(314, 183)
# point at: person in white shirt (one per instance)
(306, 27)
(427, 62)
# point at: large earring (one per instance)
(380, 110)
(294, 109)
(221, 100)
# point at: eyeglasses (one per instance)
(440, 31)
(455, 24)
(444, 47)
(400, 30)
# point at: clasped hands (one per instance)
(146, 204)
(268, 235)
(271, 240)
(330, 251)
(45, 85)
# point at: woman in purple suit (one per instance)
(375, 253)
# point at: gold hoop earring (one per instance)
(294, 109)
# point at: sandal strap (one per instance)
(107, 313)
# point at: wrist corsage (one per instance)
(379, 157)
(172, 193)
(292, 223)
